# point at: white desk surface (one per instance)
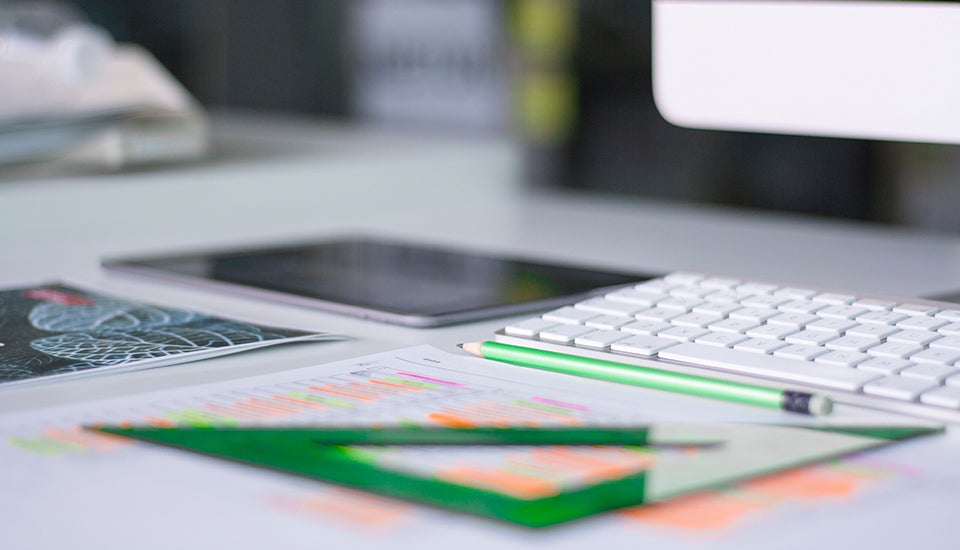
(274, 180)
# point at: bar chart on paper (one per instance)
(373, 393)
(367, 395)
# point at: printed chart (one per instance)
(55, 469)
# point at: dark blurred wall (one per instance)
(284, 55)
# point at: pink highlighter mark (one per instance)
(428, 379)
(60, 297)
(564, 404)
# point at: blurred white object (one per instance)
(868, 69)
(160, 121)
(47, 55)
(67, 92)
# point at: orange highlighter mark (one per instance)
(705, 512)
(806, 484)
(714, 512)
(502, 481)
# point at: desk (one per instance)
(275, 180)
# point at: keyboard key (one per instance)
(733, 325)
(631, 296)
(842, 358)
(683, 334)
(949, 315)
(649, 328)
(771, 332)
(835, 299)
(811, 337)
(698, 320)
(608, 322)
(721, 339)
(852, 343)
(881, 318)
(948, 342)
(948, 397)
(642, 345)
(684, 278)
(655, 286)
(933, 373)
(764, 301)
(751, 289)
(768, 366)
(600, 339)
(690, 292)
(609, 307)
(719, 283)
(658, 314)
(795, 293)
(898, 387)
(570, 316)
(683, 305)
(898, 350)
(722, 296)
(802, 306)
(915, 309)
(953, 329)
(872, 331)
(565, 333)
(720, 309)
(833, 326)
(800, 351)
(936, 356)
(841, 312)
(918, 337)
(885, 365)
(922, 323)
(795, 320)
(760, 345)
(529, 328)
(755, 314)
(875, 305)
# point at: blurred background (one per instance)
(569, 81)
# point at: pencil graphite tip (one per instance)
(460, 346)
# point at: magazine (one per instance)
(55, 331)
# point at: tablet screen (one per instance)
(405, 279)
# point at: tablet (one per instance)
(394, 282)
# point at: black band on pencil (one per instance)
(796, 401)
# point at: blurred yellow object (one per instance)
(545, 28)
(546, 106)
(545, 98)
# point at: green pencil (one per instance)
(651, 377)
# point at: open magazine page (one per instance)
(55, 331)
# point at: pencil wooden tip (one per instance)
(472, 348)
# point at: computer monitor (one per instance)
(886, 70)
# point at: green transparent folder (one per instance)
(601, 478)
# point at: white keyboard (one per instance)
(900, 355)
